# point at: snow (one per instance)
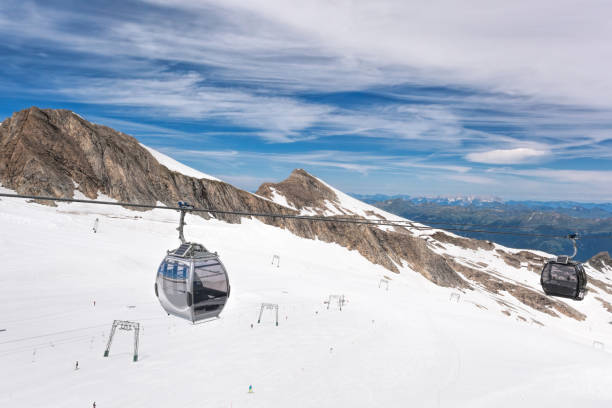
(174, 165)
(355, 206)
(408, 346)
(280, 199)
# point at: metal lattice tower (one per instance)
(277, 259)
(128, 326)
(384, 282)
(336, 299)
(271, 306)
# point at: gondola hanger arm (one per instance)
(183, 208)
(573, 237)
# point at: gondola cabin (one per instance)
(192, 283)
(564, 278)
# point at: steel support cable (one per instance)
(392, 223)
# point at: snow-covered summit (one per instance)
(177, 166)
(313, 196)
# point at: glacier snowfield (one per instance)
(408, 346)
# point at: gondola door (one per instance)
(210, 288)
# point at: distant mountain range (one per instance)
(571, 208)
(536, 217)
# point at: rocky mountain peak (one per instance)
(55, 152)
(301, 190)
(46, 151)
(601, 262)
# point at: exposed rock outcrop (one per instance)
(45, 152)
(601, 262)
(468, 243)
(605, 304)
(386, 248)
(301, 191)
(525, 295)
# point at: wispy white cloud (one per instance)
(246, 182)
(507, 182)
(207, 154)
(277, 119)
(601, 179)
(498, 45)
(353, 161)
(433, 166)
(507, 156)
(143, 129)
(471, 179)
(272, 47)
(274, 118)
(455, 85)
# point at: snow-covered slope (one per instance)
(345, 203)
(408, 346)
(312, 196)
(510, 276)
(179, 167)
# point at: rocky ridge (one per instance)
(424, 249)
(55, 152)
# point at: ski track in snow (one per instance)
(408, 346)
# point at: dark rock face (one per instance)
(386, 248)
(601, 261)
(463, 242)
(525, 295)
(301, 190)
(43, 151)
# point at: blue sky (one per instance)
(420, 98)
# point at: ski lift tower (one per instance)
(127, 326)
(338, 300)
(266, 306)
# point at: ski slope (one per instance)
(408, 346)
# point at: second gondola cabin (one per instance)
(563, 277)
(192, 283)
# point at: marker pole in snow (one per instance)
(95, 227)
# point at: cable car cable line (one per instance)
(192, 282)
(393, 223)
